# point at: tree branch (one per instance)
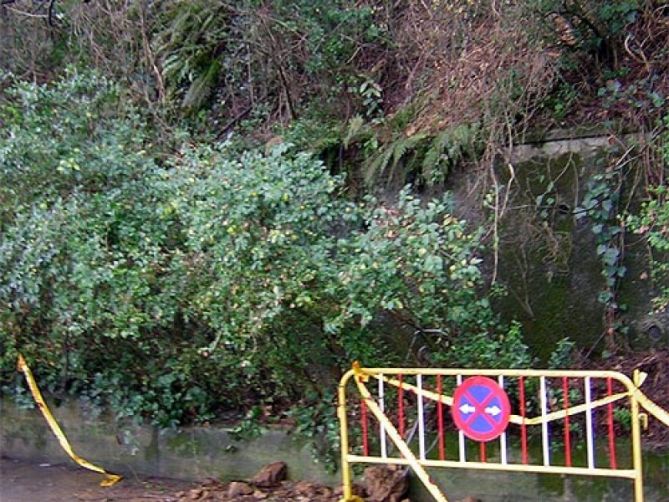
(49, 16)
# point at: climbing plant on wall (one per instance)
(601, 206)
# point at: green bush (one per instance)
(209, 281)
(65, 137)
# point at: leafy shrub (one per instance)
(208, 281)
(83, 252)
(65, 137)
(563, 354)
(481, 350)
(417, 262)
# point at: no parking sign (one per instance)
(481, 408)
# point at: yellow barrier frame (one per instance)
(362, 375)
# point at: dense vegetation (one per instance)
(213, 277)
(208, 206)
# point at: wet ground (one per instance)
(31, 482)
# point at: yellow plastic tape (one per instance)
(110, 479)
(652, 408)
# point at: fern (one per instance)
(355, 126)
(402, 148)
(436, 165)
(202, 87)
(431, 156)
(378, 164)
(391, 156)
(186, 45)
(447, 149)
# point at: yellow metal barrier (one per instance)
(573, 386)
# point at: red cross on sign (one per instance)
(481, 408)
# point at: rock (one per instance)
(325, 491)
(270, 475)
(386, 484)
(212, 483)
(304, 487)
(259, 495)
(357, 489)
(195, 494)
(239, 488)
(469, 499)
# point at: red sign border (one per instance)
(498, 429)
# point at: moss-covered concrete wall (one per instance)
(188, 453)
(546, 256)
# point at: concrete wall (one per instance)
(188, 453)
(547, 260)
(491, 486)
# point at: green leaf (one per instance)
(611, 256)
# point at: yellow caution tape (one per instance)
(652, 408)
(110, 479)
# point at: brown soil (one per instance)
(301, 491)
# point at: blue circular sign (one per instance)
(481, 408)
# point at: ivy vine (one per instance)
(600, 206)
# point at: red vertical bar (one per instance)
(523, 427)
(482, 452)
(567, 431)
(400, 407)
(612, 435)
(363, 424)
(440, 420)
